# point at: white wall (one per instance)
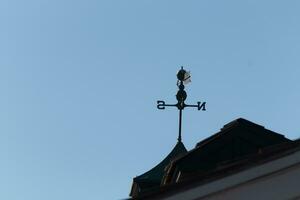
(276, 180)
(284, 185)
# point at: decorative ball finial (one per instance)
(181, 96)
(181, 74)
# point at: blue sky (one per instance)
(79, 81)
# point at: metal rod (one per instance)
(175, 105)
(186, 105)
(180, 118)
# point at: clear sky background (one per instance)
(79, 81)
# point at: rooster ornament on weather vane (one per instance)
(184, 78)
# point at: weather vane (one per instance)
(184, 78)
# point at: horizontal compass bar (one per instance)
(161, 105)
(199, 105)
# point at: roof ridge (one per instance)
(240, 121)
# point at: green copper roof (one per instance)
(153, 177)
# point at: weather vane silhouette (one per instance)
(184, 78)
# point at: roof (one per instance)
(266, 155)
(152, 178)
(236, 142)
